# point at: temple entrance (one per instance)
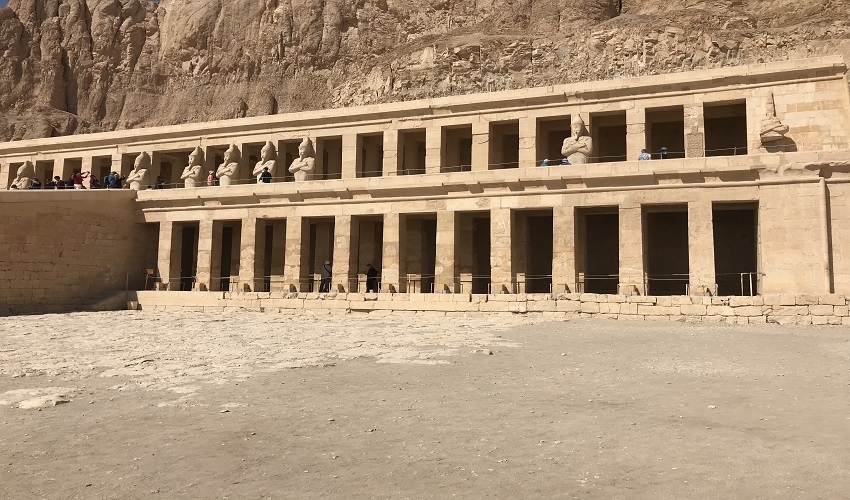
(411, 152)
(597, 250)
(504, 145)
(421, 253)
(188, 252)
(321, 248)
(457, 149)
(473, 251)
(370, 155)
(270, 255)
(666, 250)
(609, 136)
(328, 158)
(725, 128)
(532, 240)
(551, 133)
(736, 248)
(665, 128)
(367, 247)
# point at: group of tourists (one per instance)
(326, 273)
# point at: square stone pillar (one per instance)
(694, 131)
(392, 260)
(701, 247)
(635, 132)
(756, 111)
(250, 245)
(445, 269)
(206, 244)
(295, 269)
(351, 144)
(563, 249)
(501, 250)
(61, 168)
(433, 149)
(342, 272)
(4, 176)
(390, 153)
(480, 145)
(528, 143)
(168, 255)
(631, 249)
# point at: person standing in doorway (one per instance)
(325, 284)
(371, 278)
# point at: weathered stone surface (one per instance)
(72, 66)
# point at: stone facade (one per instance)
(447, 195)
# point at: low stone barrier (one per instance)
(798, 309)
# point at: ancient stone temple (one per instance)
(508, 201)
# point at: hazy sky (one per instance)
(3, 3)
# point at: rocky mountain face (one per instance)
(77, 66)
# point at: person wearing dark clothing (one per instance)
(266, 176)
(325, 285)
(371, 279)
(93, 183)
(35, 183)
(662, 153)
(58, 183)
(159, 182)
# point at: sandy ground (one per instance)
(179, 405)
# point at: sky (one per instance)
(3, 3)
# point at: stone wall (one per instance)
(65, 250)
(800, 309)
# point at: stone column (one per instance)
(755, 113)
(294, 268)
(249, 248)
(206, 239)
(4, 176)
(433, 149)
(445, 259)
(563, 249)
(342, 254)
(393, 256)
(501, 250)
(62, 168)
(631, 249)
(168, 255)
(528, 142)
(480, 145)
(351, 155)
(390, 152)
(635, 132)
(694, 131)
(701, 247)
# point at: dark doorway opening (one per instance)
(666, 250)
(736, 249)
(598, 249)
(188, 255)
(725, 129)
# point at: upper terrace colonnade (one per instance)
(449, 190)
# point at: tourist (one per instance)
(51, 184)
(57, 182)
(159, 182)
(564, 161)
(93, 183)
(211, 178)
(545, 163)
(35, 183)
(325, 285)
(117, 181)
(644, 155)
(77, 179)
(371, 279)
(265, 177)
(662, 153)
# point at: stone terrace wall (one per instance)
(63, 250)
(797, 309)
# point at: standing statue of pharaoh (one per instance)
(192, 173)
(302, 166)
(267, 160)
(24, 176)
(226, 172)
(139, 174)
(578, 146)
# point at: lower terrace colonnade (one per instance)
(695, 248)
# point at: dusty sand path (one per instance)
(560, 410)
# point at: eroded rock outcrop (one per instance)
(74, 66)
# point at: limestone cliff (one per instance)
(75, 66)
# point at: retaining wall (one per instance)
(789, 309)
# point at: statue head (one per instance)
(232, 154)
(26, 170)
(268, 152)
(576, 126)
(196, 157)
(142, 161)
(305, 149)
